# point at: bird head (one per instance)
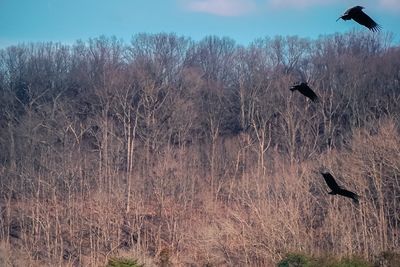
(294, 86)
(323, 170)
(348, 14)
(345, 17)
(299, 83)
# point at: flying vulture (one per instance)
(304, 89)
(359, 16)
(336, 189)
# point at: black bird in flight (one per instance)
(359, 16)
(336, 189)
(304, 89)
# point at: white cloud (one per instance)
(297, 3)
(244, 7)
(390, 4)
(221, 7)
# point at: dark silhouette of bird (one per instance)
(304, 89)
(336, 189)
(359, 16)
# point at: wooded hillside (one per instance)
(197, 152)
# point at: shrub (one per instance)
(352, 262)
(388, 259)
(300, 260)
(122, 262)
(296, 260)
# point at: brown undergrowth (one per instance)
(250, 217)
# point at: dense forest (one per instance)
(196, 153)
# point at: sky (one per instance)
(244, 21)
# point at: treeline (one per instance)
(197, 153)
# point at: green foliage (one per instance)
(122, 262)
(296, 260)
(352, 262)
(388, 258)
(300, 260)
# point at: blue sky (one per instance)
(243, 20)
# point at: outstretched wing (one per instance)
(349, 194)
(353, 10)
(305, 90)
(362, 18)
(330, 181)
(308, 92)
